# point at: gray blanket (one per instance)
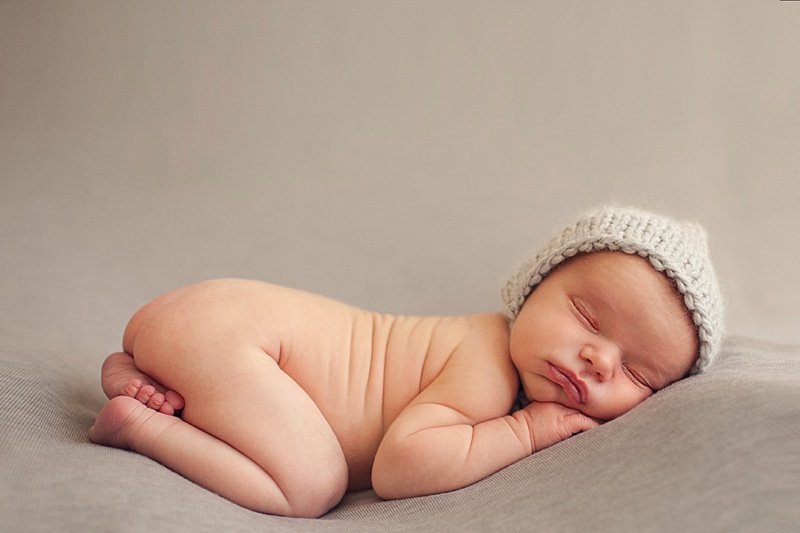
(715, 452)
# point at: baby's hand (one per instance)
(549, 423)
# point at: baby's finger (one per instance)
(580, 422)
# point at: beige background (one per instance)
(401, 156)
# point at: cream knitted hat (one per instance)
(678, 249)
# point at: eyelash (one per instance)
(586, 319)
(635, 377)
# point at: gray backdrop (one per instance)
(400, 156)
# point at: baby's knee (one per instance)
(319, 491)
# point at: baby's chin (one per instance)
(591, 414)
(601, 417)
(599, 420)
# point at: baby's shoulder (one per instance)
(481, 364)
(485, 336)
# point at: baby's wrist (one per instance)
(522, 425)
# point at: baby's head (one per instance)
(618, 305)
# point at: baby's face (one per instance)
(601, 334)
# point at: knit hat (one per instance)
(678, 249)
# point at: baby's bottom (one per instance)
(247, 431)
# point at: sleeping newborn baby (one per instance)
(281, 401)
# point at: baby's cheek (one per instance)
(613, 407)
(539, 389)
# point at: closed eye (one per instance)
(585, 316)
(637, 378)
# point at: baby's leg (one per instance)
(120, 377)
(248, 432)
(128, 424)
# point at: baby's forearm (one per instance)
(441, 459)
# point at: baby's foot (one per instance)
(121, 377)
(123, 420)
(167, 402)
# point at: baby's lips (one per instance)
(574, 388)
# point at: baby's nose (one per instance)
(600, 359)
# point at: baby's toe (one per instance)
(145, 393)
(156, 401)
(132, 388)
(175, 400)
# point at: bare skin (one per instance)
(286, 399)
